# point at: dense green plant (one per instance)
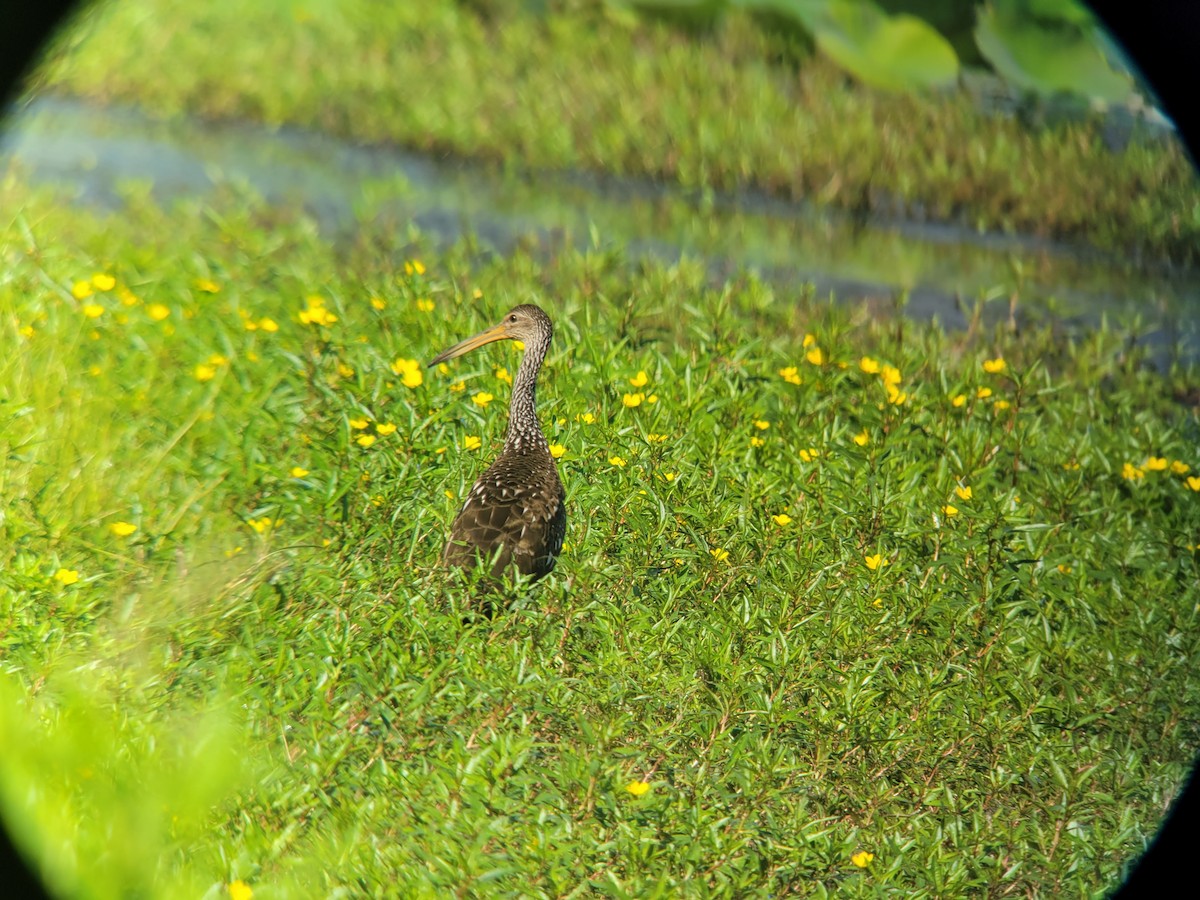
(1046, 46)
(848, 605)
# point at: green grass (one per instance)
(586, 87)
(271, 680)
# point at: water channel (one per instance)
(943, 270)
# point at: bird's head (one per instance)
(525, 323)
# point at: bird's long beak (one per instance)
(495, 333)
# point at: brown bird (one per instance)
(515, 515)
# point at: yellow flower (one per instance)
(122, 529)
(762, 424)
(344, 370)
(1071, 466)
(239, 890)
(315, 313)
(641, 379)
(66, 576)
(217, 359)
(157, 311)
(414, 266)
(557, 450)
(502, 374)
(477, 294)
(1193, 482)
(1156, 464)
(482, 398)
(1001, 405)
(103, 282)
(781, 519)
(891, 375)
(263, 525)
(718, 554)
(81, 290)
(359, 424)
(815, 356)
(895, 396)
(994, 366)
(790, 374)
(963, 492)
(616, 461)
(809, 454)
(204, 372)
(425, 305)
(1179, 467)
(653, 438)
(874, 562)
(862, 438)
(385, 428)
(638, 788)
(950, 511)
(983, 393)
(471, 442)
(862, 858)
(632, 400)
(458, 386)
(1130, 472)
(268, 324)
(653, 398)
(669, 476)
(365, 440)
(299, 471)
(869, 365)
(206, 285)
(809, 340)
(1064, 568)
(958, 400)
(27, 331)
(378, 303)
(92, 310)
(410, 372)
(756, 441)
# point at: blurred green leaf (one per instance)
(1047, 57)
(892, 52)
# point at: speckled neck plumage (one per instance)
(524, 435)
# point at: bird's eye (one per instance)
(512, 318)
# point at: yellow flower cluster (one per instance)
(316, 313)
(410, 374)
(207, 370)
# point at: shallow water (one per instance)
(945, 269)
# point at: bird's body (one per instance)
(515, 516)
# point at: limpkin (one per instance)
(515, 515)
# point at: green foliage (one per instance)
(899, 51)
(1048, 47)
(270, 679)
(580, 90)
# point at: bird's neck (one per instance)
(524, 431)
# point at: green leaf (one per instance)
(1046, 58)
(894, 52)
